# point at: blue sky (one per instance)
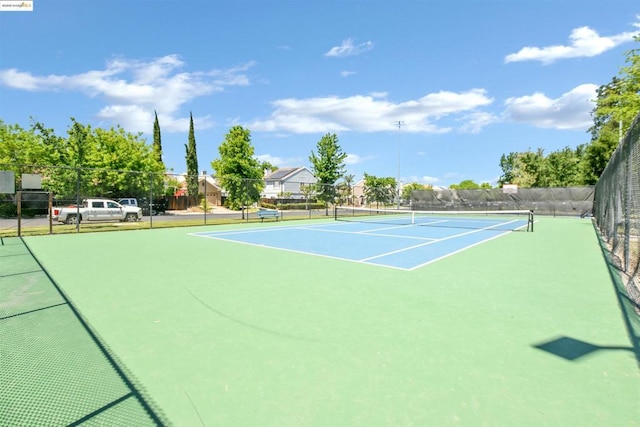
(468, 80)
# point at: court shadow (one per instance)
(573, 349)
(629, 307)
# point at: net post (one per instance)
(530, 222)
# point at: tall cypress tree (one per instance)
(192, 161)
(157, 140)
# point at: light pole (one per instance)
(399, 123)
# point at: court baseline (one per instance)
(393, 246)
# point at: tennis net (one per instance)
(503, 220)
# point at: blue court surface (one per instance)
(400, 246)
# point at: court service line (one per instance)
(435, 241)
(360, 233)
(260, 245)
(373, 230)
(458, 251)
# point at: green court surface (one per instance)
(528, 329)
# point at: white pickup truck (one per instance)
(97, 210)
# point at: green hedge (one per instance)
(8, 210)
(293, 206)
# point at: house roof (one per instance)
(282, 173)
(210, 180)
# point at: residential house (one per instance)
(207, 186)
(287, 183)
(358, 193)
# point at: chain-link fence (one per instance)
(556, 201)
(33, 197)
(617, 208)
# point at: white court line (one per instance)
(469, 246)
(458, 251)
(362, 233)
(214, 235)
(437, 241)
(383, 228)
(257, 230)
(259, 245)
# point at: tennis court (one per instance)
(278, 324)
(386, 238)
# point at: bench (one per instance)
(268, 213)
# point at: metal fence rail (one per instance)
(617, 209)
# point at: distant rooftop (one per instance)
(280, 173)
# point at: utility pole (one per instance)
(399, 123)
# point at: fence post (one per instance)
(19, 211)
(204, 176)
(150, 199)
(78, 171)
(50, 212)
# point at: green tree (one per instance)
(563, 167)
(617, 104)
(18, 149)
(507, 164)
(55, 147)
(467, 184)
(533, 169)
(90, 162)
(345, 192)
(379, 189)
(111, 163)
(115, 153)
(328, 166)
(192, 161)
(414, 186)
(308, 191)
(267, 166)
(157, 140)
(238, 171)
(19, 146)
(525, 169)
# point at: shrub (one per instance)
(8, 210)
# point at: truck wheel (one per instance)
(131, 217)
(72, 219)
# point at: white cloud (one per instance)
(372, 113)
(347, 73)
(476, 121)
(133, 89)
(420, 179)
(279, 161)
(429, 179)
(347, 48)
(585, 42)
(571, 111)
(353, 159)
